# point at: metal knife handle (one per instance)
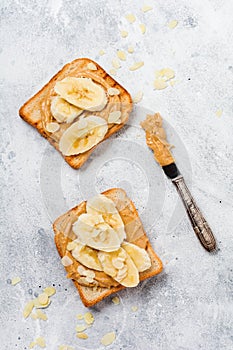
(200, 226)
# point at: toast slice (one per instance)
(33, 110)
(133, 228)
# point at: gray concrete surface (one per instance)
(189, 306)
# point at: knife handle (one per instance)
(200, 226)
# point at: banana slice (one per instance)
(87, 256)
(63, 111)
(120, 267)
(139, 256)
(83, 135)
(82, 93)
(93, 231)
(101, 204)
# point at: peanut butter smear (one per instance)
(156, 139)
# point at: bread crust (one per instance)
(30, 111)
(87, 295)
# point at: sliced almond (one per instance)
(89, 279)
(82, 335)
(90, 273)
(108, 338)
(91, 66)
(66, 261)
(41, 315)
(71, 245)
(130, 49)
(81, 270)
(116, 64)
(134, 308)
(130, 18)
(124, 33)
(38, 305)
(32, 345)
(146, 8)
(121, 55)
(15, 280)
(89, 318)
(142, 28)
(28, 308)
(160, 84)
(113, 91)
(172, 24)
(79, 316)
(101, 52)
(65, 347)
(113, 71)
(136, 66)
(118, 264)
(43, 298)
(41, 342)
(34, 316)
(114, 117)
(80, 328)
(50, 291)
(52, 127)
(116, 300)
(168, 73)
(138, 97)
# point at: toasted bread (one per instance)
(32, 111)
(129, 215)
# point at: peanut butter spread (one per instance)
(98, 77)
(134, 234)
(156, 139)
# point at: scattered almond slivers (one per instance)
(142, 28)
(52, 127)
(43, 298)
(39, 315)
(108, 338)
(130, 49)
(91, 66)
(172, 24)
(38, 305)
(50, 291)
(116, 300)
(82, 335)
(113, 91)
(101, 52)
(79, 316)
(121, 55)
(162, 77)
(136, 66)
(160, 84)
(130, 18)
(124, 33)
(15, 280)
(66, 261)
(116, 64)
(39, 341)
(28, 309)
(134, 308)
(146, 8)
(114, 117)
(138, 97)
(89, 318)
(80, 328)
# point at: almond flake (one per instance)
(38, 305)
(168, 73)
(101, 52)
(172, 24)
(89, 318)
(124, 33)
(80, 328)
(41, 315)
(113, 91)
(160, 84)
(108, 338)
(146, 8)
(142, 28)
(121, 55)
(41, 342)
(90, 273)
(89, 279)
(52, 127)
(71, 245)
(65, 347)
(130, 18)
(34, 316)
(15, 280)
(134, 308)
(114, 117)
(91, 66)
(219, 113)
(113, 71)
(32, 345)
(28, 308)
(116, 64)
(116, 300)
(79, 316)
(136, 66)
(82, 335)
(66, 261)
(81, 270)
(50, 291)
(118, 264)
(43, 298)
(130, 49)
(138, 97)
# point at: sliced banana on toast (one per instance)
(63, 111)
(139, 256)
(87, 256)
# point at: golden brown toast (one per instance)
(129, 215)
(32, 110)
